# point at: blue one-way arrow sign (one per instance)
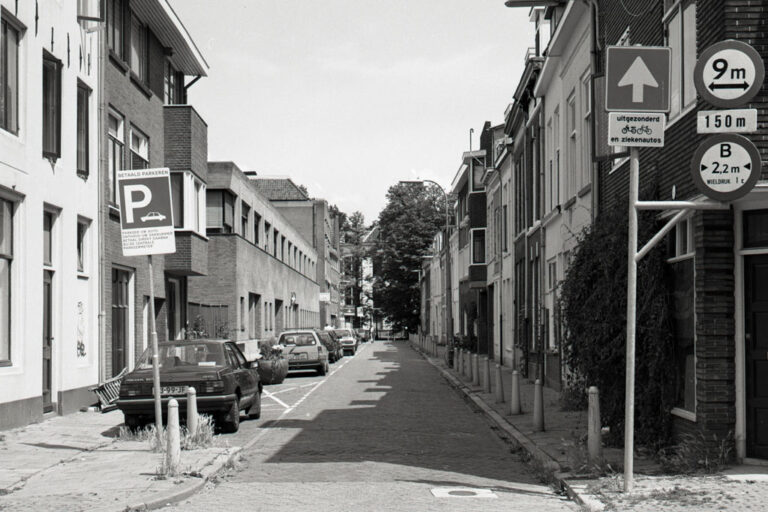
(637, 78)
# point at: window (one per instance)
(220, 207)
(680, 36)
(83, 96)
(256, 223)
(48, 220)
(478, 246)
(115, 146)
(6, 259)
(267, 230)
(552, 274)
(139, 149)
(504, 222)
(245, 212)
(557, 139)
(115, 38)
(170, 89)
(274, 243)
(586, 130)
(82, 232)
(573, 148)
(282, 248)
(755, 228)
(177, 199)
(51, 106)
(197, 198)
(10, 35)
(139, 58)
(681, 262)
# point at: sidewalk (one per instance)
(556, 456)
(76, 462)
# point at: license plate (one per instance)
(172, 390)
(301, 355)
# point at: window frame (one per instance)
(82, 244)
(51, 64)
(9, 22)
(675, 13)
(140, 69)
(9, 258)
(83, 129)
(113, 141)
(472, 259)
(143, 151)
(116, 37)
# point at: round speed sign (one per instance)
(729, 73)
(726, 166)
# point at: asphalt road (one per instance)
(382, 431)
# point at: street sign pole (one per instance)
(629, 393)
(155, 357)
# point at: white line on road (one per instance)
(273, 397)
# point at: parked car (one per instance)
(333, 344)
(305, 349)
(363, 334)
(348, 340)
(224, 380)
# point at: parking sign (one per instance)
(146, 214)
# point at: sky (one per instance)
(347, 97)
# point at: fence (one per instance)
(208, 321)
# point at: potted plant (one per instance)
(273, 367)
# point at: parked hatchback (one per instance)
(332, 343)
(224, 381)
(305, 350)
(348, 340)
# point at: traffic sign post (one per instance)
(146, 226)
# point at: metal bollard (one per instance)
(173, 450)
(476, 369)
(499, 385)
(594, 441)
(487, 375)
(191, 411)
(538, 407)
(514, 399)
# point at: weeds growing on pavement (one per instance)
(578, 457)
(201, 438)
(697, 453)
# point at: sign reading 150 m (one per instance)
(146, 215)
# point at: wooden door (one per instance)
(47, 340)
(756, 353)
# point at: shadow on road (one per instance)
(417, 421)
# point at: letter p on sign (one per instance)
(132, 201)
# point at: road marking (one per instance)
(462, 492)
(284, 390)
(273, 397)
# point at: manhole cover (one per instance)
(462, 492)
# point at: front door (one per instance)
(756, 353)
(120, 318)
(47, 339)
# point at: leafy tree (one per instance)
(407, 225)
(594, 306)
(352, 233)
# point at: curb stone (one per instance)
(576, 492)
(185, 491)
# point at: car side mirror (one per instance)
(252, 364)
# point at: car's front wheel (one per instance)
(230, 423)
(323, 368)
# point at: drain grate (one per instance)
(462, 492)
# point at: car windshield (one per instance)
(298, 339)
(341, 333)
(186, 354)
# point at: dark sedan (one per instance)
(224, 381)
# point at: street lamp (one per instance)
(446, 243)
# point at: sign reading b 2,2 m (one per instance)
(729, 74)
(146, 214)
(726, 167)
